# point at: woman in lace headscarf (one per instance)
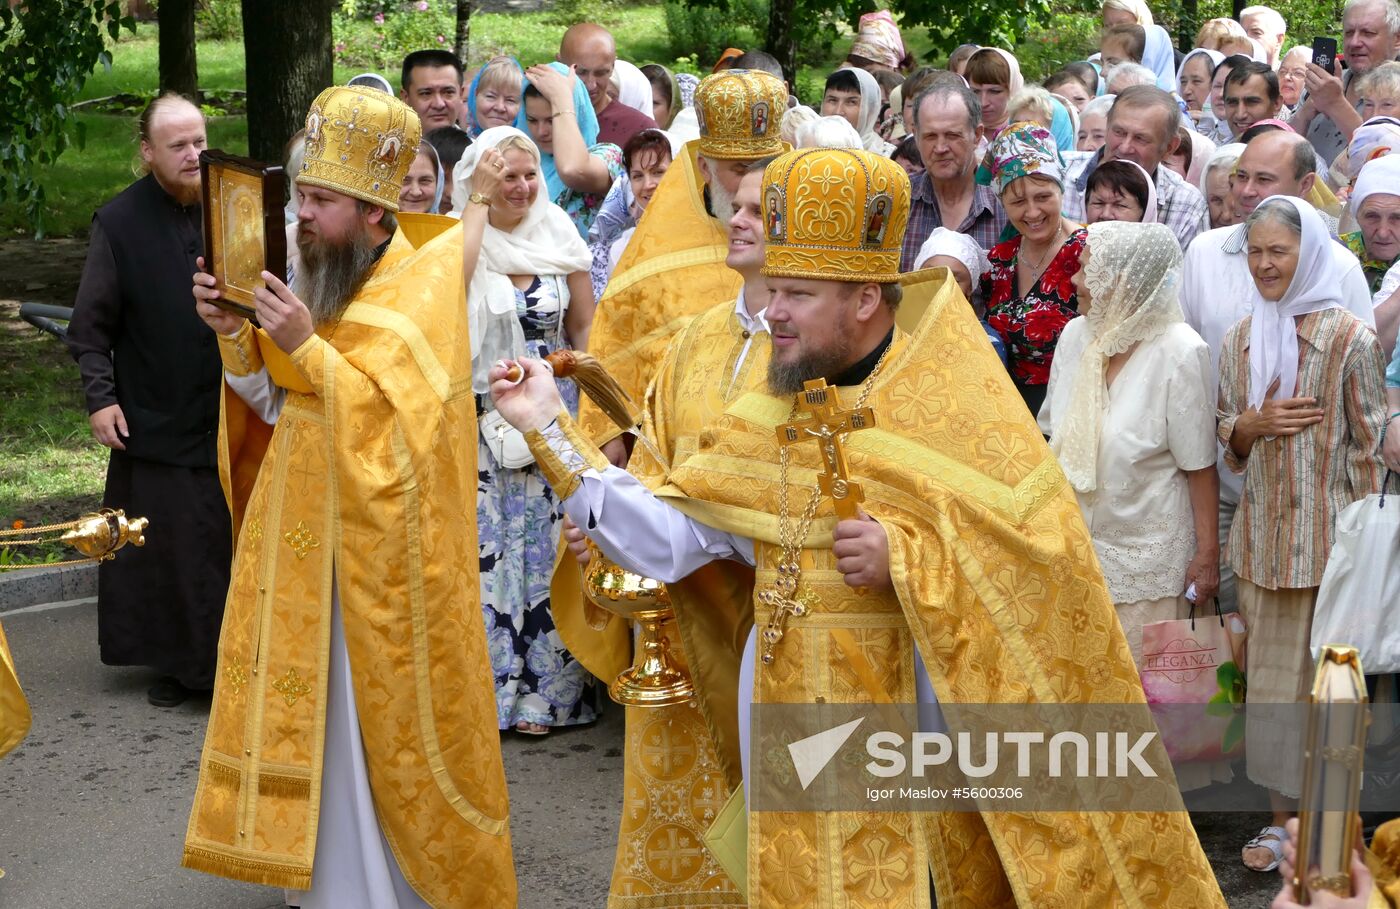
(1130, 413)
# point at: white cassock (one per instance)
(644, 535)
(353, 867)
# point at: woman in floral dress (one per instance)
(529, 295)
(1029, 291)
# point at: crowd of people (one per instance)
(1187, 262)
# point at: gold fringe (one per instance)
(269, 874)
(286, 787)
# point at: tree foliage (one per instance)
(47, 50)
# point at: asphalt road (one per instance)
(93, 805)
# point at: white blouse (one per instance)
(1160, 422)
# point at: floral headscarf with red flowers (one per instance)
(1022, 150)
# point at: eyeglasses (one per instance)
(1293, 73)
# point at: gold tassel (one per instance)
(594, 381)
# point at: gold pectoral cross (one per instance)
(827, 423)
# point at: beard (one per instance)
(787, 378)
(333, 271)
(721, 203)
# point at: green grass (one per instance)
(50, 466)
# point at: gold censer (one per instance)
(97, 536)
(655, 678)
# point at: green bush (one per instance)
(219, 20)
(381, 41)
(1065, 38)
(703, 32)
(571, 12)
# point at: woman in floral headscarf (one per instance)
(1028, 290)
(878, 44)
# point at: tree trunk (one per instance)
(287, 55)
(1189, 24)
(782, 40)
(462, 41)
(178, 69)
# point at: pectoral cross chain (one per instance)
(828, 424)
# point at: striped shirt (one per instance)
(984, 221)
(1294, 486)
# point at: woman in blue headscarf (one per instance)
(557, 114)
(493, 98)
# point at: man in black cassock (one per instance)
(151, 373)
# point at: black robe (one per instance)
(140, 344)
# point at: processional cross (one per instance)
(828, 424)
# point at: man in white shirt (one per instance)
(1217, 290)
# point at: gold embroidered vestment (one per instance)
(365, 486)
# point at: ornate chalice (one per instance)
(655, 678)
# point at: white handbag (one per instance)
(507, 444)
(1358, 602)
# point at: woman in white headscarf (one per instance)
(995, 77)
(1215, 184)
(1120, 190)
(529, 294)
(1193, 78)
(796, 117)
(870, 103)
(1157, 54)
(1130, 413)
(1301, 409)
(633, 87)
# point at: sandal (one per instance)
(525, 728)
(1270, 838)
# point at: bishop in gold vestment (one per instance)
(982, 579)
(674, 264)
(349, 464)
(670, 757)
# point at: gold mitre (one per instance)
(360, 142)
(740, 113)
(836, 214)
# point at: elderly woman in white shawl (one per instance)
(1301, 409)
(1130, 412)
(529, 294)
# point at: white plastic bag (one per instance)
(1358, 602)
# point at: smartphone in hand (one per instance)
(1324, 54)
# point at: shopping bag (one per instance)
(1193, 675)
(1358, 601)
